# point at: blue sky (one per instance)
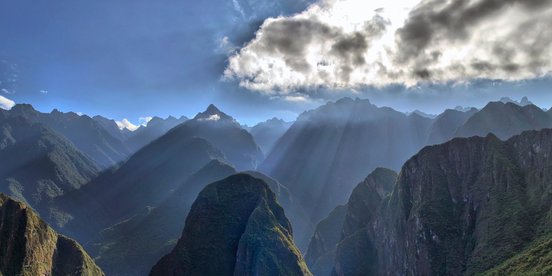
(137, 58)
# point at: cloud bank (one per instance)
(6, 103)
(125, 123)
(350, 44)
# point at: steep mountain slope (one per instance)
(155, 128)
(235, 227)
(446, 124)
(536, 259)
(321, 252)
(224, 133)
(84, 132)
(37, 165)
(505, 120)
(28, 246)
(135, 245)
(146, 179)
(330, 149)
(268, 132)
(344, 223)
(462, 207)
(111, 127)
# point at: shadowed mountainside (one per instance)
(85, 133)
(235, 227)
(468, 206)
(133, 246)
(155, 128)
(38, 165)
(268, 132)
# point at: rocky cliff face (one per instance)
(28, 246)
(463, 207)
(321, 252)
(347, 224)
(235, 227)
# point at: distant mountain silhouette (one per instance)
(504, 120)
(85, 133)
(235, 227)
(523, 102)
(268, 132)
(111, 127)
(154, 129)
(447, 123)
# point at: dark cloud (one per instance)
(441, 41)
(294, 40)
(290, 38)
(437, 22)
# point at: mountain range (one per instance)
(469, 206)
(268, 132)
(85, 133)
(131, 198)
(154, 129)
(330, 148)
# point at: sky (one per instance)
(133, 59)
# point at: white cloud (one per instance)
(238, 8)
(349, 44)
(295, 98)
(44, 91)
(225, 46)
(6, 103)
(214, 117)
(125, 123)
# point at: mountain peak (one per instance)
(212, 109)
(235, 218)
(155, 120)
(212, 113)
(523, 102)
(23, 108)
